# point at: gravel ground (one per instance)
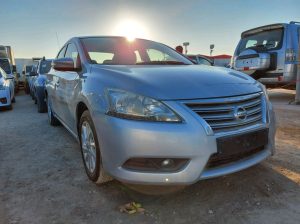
(42, 180)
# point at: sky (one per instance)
(36, 28)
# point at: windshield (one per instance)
(265, 40)
(5, 65)
(120, 51)
(44, 67)
(28, 68)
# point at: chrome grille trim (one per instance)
(218, 113)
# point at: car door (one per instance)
(54, 92)
(67, 83)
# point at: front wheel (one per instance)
(90, 150)
(53, 121)
(10, 107)
(41, 105)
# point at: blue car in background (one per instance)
(31, 79)
(43, 68)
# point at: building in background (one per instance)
(21, 62)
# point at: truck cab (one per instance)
(269, 54)
(7, 63)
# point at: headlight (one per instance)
(136, 107)
(265, 91)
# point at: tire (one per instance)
(26, 88)
(88, 138)
(13, 100)
(53, 121)
(10, 107)
(41, 105)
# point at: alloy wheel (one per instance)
(88, 146)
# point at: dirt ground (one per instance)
(42, 179)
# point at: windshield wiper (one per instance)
(161, 63)
(262, 45)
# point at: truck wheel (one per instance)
(10, 107)
(53, 121)
(42, 106)
(27, 90)
(90, 150)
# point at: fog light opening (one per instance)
(167, 163)
(155, 164)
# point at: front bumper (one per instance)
(121, 140)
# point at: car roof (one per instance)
(104, 36)
(263, 28)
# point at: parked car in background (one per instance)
(31, 79)
(7, 93)
(145, 114)
(7, 63)
(25, 76)
(201, 60)
(269, 53)
(43, 68)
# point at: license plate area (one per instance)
(237, 147)
(244, 143)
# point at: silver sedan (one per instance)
(7, 93)
(144, 114)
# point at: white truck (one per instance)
(7, 63)
(270, 54)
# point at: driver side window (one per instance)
(61, 54)
(73, 53)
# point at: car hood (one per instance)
(177, 82)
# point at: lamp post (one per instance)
(211, 47)
(185, 44)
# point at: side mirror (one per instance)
(14, 68)
(64, 64)
(23, 72)
(32, 73)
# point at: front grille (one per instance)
(228, 114)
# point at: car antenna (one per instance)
(58, 44)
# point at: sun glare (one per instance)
(130, 29)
